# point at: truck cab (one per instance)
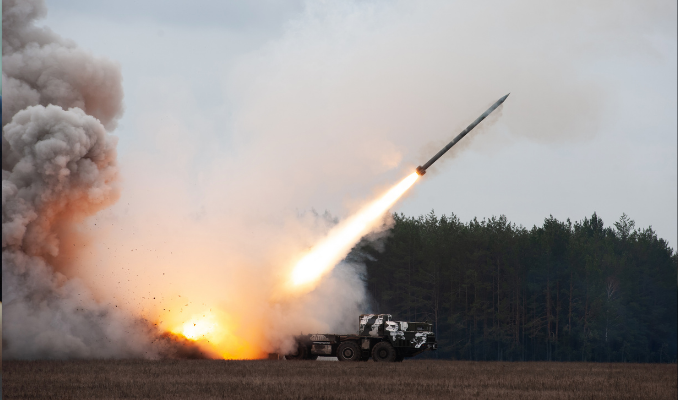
(407, 338)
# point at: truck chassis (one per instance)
(378, 338)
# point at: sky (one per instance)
(590, 125)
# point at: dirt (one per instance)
(251, 380)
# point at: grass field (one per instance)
(251, 380)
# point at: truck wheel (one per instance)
(300, 354)
(383, 352)
(348, 351)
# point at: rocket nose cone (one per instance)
(501, 101)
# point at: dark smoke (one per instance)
(58, 167)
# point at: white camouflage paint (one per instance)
(419, 339)
(375, 327)
(392, 329)
(363, 321)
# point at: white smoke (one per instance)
(58, 167)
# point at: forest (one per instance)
(562, 291)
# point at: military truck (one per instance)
(378, 338)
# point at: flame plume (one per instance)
(326, 254)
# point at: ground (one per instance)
(251, 380)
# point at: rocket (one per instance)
(421, 170)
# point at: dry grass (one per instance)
(207, 379)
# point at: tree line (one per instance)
(562, 291)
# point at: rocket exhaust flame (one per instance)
(199, 328)
(218, 335)
(324, 256)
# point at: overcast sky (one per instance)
(590, 125)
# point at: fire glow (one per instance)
(325, 255)
(203, 327)
(215, 333)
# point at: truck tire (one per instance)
(348, 351)
(302, 353)
(383, 352)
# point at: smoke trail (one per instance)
(58, 167)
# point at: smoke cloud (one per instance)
(58, 167)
